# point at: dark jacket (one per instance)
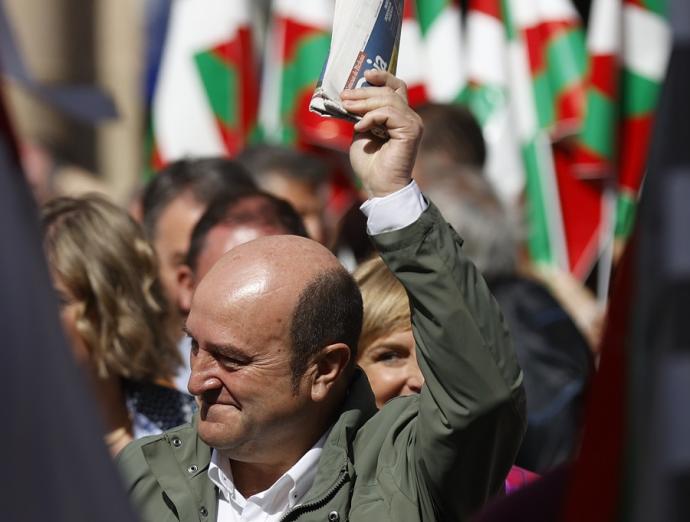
(557, 366)
(437, 455)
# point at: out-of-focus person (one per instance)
(554, 355)
(452, 138)
(552, 317)
(229, 221)
(297, 177)
(173, 202)
(115, 315)
(387, 351)
(453, 142)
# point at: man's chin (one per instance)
(216, 435)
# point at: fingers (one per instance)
(383, 106)
(377, 118)
(380, 80)
(384, 78)
(399, 123)
(374, 98)
(363, 93)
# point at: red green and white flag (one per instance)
(597, 140)
(594, 157)
(440, 24)
(296, 50)
(487, 94)
(625, 75)
(557, 55)
(431, 57)
(645, 53)
(205, 100)
(546, 63)
(626, 72)
(412, 57)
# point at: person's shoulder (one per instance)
(132, 460)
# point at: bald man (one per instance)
(288, 427)
(229, 221)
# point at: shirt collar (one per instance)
(289, 489)
(220, 474)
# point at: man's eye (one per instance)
(230, 362)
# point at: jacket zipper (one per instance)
(317, 504)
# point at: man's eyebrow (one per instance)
(226, 350)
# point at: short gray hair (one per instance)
(468, 202)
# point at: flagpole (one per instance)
(607, 230)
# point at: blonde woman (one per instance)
(386, 346)
(386, 350)
(115, 316)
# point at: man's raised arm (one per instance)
(471, 413)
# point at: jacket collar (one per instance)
(182, 451)
(359, 406)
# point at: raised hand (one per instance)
(383, 166)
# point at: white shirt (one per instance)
(385, 214)
(269, 505)
(394, 211)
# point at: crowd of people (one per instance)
(250, 362)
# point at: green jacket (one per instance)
(437, 455)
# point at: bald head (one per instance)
(288, 261)
(224, 237)
(285, 286)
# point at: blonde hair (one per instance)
(386, 306)
(101, 257)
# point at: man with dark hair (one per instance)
(552, 351)
(244, 208)
(176, 198)
(230, 220)
(297, 177)
(452, 136)
(333, 294)
(288, 428)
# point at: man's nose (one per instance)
(203, 376)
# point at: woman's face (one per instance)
(391, 366)
(68, 316)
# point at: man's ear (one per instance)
(185, 285)
(329, 365)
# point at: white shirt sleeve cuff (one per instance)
(394, 211)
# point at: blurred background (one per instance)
(104, 93)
